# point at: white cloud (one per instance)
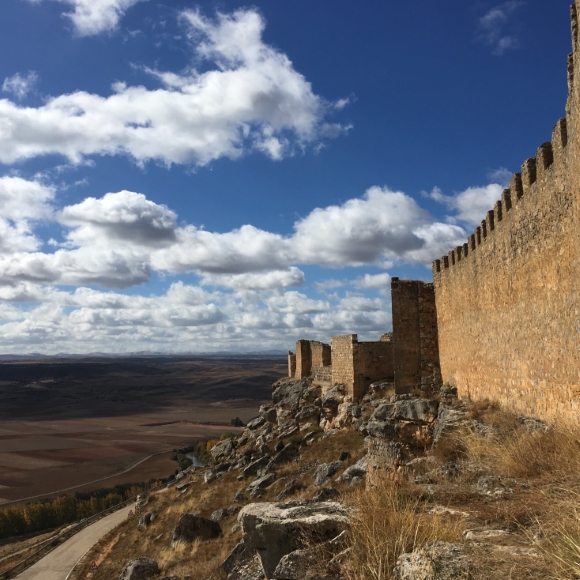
(374, 281)
(257, 281)
(471, 204)
(120, 217)
(252, 100)
(20, 85)
(491, 27)
(361, 230)
(90, 17)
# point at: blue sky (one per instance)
(222, 176)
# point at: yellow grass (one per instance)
(389, 521)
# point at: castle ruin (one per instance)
(502, 318)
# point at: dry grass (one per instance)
(388, 521)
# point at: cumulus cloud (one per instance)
(121, 238)
(470, 205)
(257, 281)
(125, 216)
(491, 27)
(373, 281)
(90, 17)
(20, 85)
(252, 100)
(22, 203)
(360, 231)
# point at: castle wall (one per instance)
(415, 345)
(311, 359)
(357, 364)
(291, 364)
(508, 301)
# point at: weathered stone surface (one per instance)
(219, 515)
(288, 452)
(193, 526)
(209, 476)
(326, 494)
(146, 519)
(252, 469)
(275, 530)
(333, 397)
(256, 423)
(268, 412)
(419, 410)
(359, 469)
(295, 565)
(140, 569)
(437, 561)
(309, 413)
(255, 488)
(325, 471)
(222, 450)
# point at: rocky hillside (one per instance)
(394, 486)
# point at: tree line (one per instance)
(51, 513)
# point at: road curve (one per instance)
(58, 564)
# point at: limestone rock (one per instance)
(325, 471)
(222, 450)
(437, 561)
(146, 519)
(310, 413)
(255, 488)
(275, 530)
(140, 569)
(359, 469)
(219, 515)
(326, 494)
(193, 526)
(287, 453)
(209, 476)
(252, 469)
(255, 423)
(295, 565)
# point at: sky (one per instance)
(197, 177)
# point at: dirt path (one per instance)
(58, 564)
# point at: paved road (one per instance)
(58, 564)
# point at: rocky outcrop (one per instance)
(140, 569)
(146, 519)
(274, 530)
(437, 561)
(192, 527)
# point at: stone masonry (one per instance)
(508, 300)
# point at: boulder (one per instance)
(448, 420)
(287, 453)
(418, 410)
(310, 413)
(295, 565)
(209, 476)
(359, 469)
(276, 529)
(252, 469)
(146, 519)
(256, 423)
(333, 397)
(255, 488)
(193, 526)
(140, 569)
(289, 394)
(222, 450)
(269, 413)
(325, 471)
(291, 488)
(437, 561)
(219, 515)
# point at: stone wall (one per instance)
(357, 364)
(291, 364)
(415, 346)
(508, 300)
(310, 354)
